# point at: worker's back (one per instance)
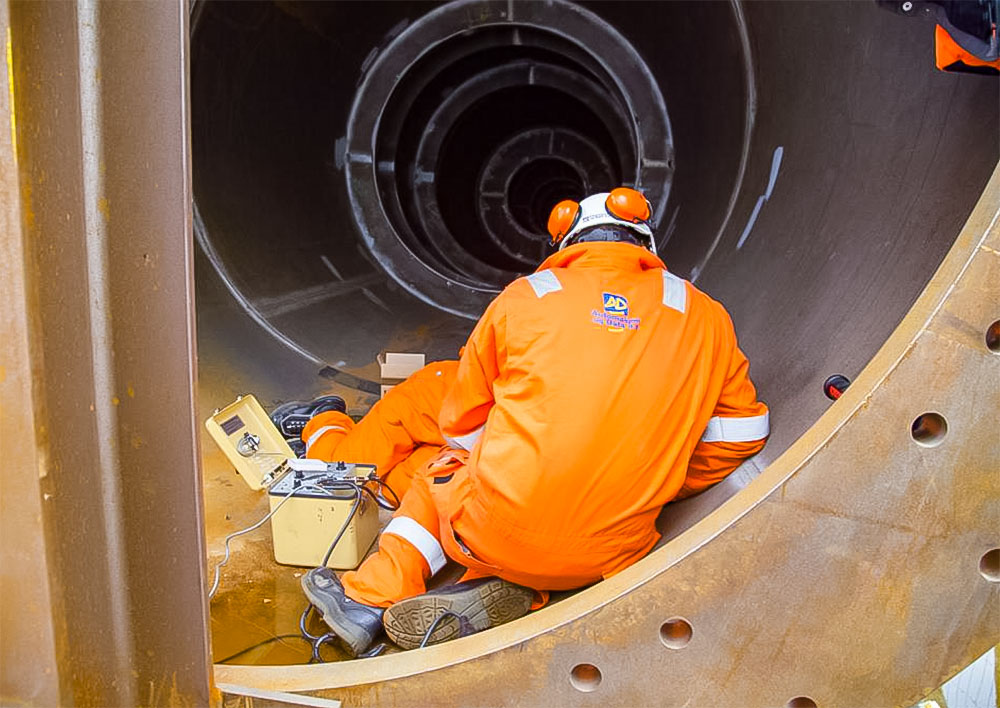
(607, 372)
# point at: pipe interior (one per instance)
(808, 167)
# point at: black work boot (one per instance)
(292, 417)
(353, 622)
(455, 611)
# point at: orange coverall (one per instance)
(590, 394)
(399, 435)
(950, 56)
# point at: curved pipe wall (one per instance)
(809, 167)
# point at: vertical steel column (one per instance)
(27, 635)
(101, 105)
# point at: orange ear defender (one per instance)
(628, 205)
(563, 218)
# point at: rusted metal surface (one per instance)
(848, 572)
(28, 647)
(114, 493)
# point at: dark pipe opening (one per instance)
(539, 185)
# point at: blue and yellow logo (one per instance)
(615, 314)
(615, 305)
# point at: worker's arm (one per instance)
(468, 403)
(738, 429)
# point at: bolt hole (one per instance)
(989, 565)
(907, 6)
(929, 429)
(585, 677)
(801, 702)
(993, 337)
(675, 633)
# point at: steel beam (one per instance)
(102, 498)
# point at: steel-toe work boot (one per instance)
(355, 623)
(455, 611)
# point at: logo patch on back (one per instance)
(614, 314)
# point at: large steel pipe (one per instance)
(368, 176)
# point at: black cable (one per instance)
(395, 497)
(381, 502)
(374, 651)
(320, 641)
(436, 622)
(313, 639)
(241, 652)
(302, 625)
(356, 489)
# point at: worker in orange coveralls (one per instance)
(399, 435)
(965, 34)
(590, 393)
(965, 38)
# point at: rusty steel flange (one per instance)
(858, 569)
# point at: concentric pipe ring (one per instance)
(419, 153)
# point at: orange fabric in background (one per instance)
(581, 425)
(398, 435)
(947, 52)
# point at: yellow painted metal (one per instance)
(848, 573)
(304, 527)
(249, 440)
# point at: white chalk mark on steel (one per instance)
(775, 166)
(100, 311)
(306, 297)
(364, 291)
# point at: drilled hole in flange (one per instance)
(929, 429)
(801, 702)
(585, 677)
(675, 633)
(989, 565)
(993, 337)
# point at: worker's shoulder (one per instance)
(708, 305)
(536, 285)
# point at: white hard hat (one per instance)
(623, 207)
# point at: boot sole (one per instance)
(488, 605)
(357, 640)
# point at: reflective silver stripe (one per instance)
(422, 539)
(319, 433)
(465, 441)
(674, 292)
(544, 282)
(747, 429)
